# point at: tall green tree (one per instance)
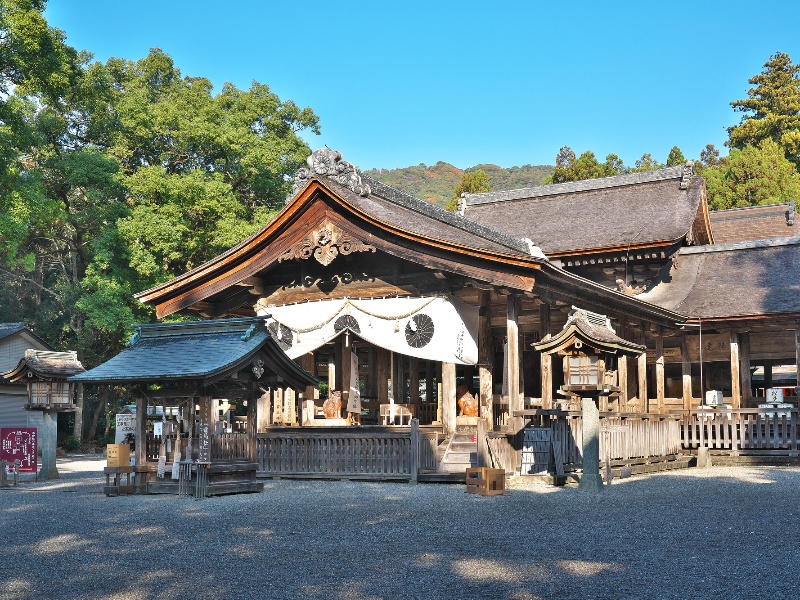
(646, 163)
(472, 182)
(586, 166)
(751, 176)
(771, 109)
(675, 157)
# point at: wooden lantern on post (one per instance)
(589, 347)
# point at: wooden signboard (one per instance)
(19, 443)
(204, 430)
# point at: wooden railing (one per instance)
(629, 437)
(742, 431)
(363, 453)
(230, 446)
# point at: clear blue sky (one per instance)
(403, 83)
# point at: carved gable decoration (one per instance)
(328, 163)
(325, 244)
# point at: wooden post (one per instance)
(736, 390)
(252, 428)
(263, 410)
(513, 354)
(660, 370)
(622, 367)
(449, 397)
(686, 372)
(413, 377)
(484, 460)
(485, 360)
(383, 376)
(140, 434)
(309, 366)
(767, 376)
(277, 406)
(546, 359)
(415, 450)
(205, 430)
(344, 366)
(370, 385)
(797, 356)
(744, 367)
(332, 372)
(430, 389)
(641, 372)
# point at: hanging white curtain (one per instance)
(437, 328)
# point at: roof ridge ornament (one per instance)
(687, 174)
(328, 163)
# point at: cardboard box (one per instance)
(486, 481)
(118, 455)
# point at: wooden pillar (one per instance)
(206, 420)
(513, 354)
(252, 428)
(686, 372)
(546, 359)
(744, 369)
(797, 356)
(736, 390)
(141, 429)
(767, 375)
(449, 397)
(371, 384)
(344, 367)
(309, 366)
(641, 372)
(485, 360)
(413, 377)
(660, 370)
(383, 375)
(622, 375)
(430, 389)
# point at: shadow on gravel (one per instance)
(710, 533)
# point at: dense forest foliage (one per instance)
(118, 176)
(437, 182)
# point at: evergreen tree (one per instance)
(675, 157)
(771, 109)
(472, 182)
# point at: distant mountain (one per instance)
(437, 182)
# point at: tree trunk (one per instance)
(101, 404)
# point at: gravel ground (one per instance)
(723, 532)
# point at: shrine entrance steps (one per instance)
(460, 452)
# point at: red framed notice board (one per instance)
(19, 443)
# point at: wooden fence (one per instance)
(629, 437)
(742, 431)
(363, 453)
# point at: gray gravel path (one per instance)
(715, 533)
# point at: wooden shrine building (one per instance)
(180, 374)
(405, 310)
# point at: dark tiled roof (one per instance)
(755, 223)
(734, 279)
(197, 350)
(641, 208)
(395, 207)
(47, 364)
(7, 329)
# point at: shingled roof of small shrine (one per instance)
(47, 364)
(639, 208)
(194, 350)
(755, 278)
